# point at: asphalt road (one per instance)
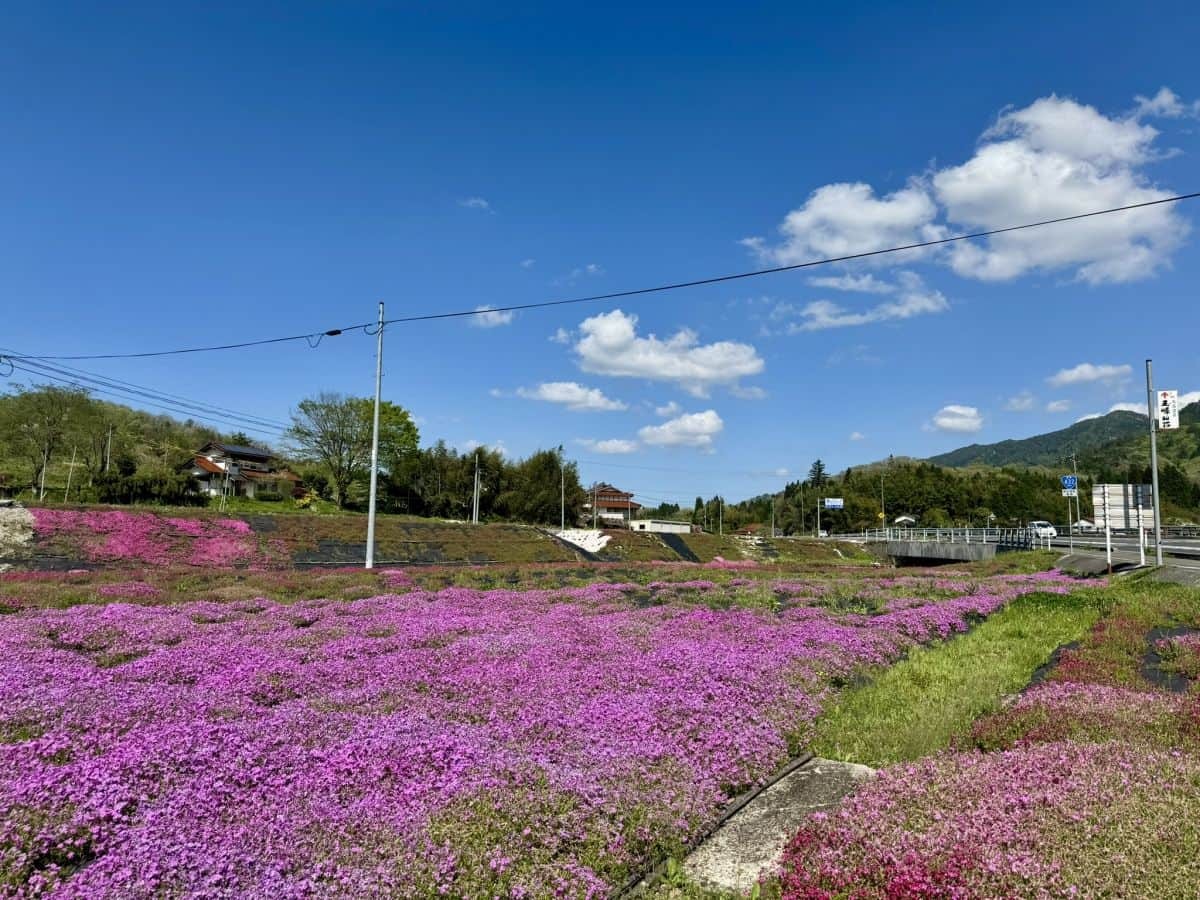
(1181, 553)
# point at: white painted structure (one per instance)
(661, 526)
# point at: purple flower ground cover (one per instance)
(458, 743)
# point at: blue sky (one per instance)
(176, 177)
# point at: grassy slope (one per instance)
(921, 704)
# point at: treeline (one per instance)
(938, 497)
(59, 439)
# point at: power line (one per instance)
(141, 391)
(314, 338)
(72, 382)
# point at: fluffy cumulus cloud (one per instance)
(475, 203)
(489, 318)
(1022, 402)
(1058, 406)
(572, 395)
(561, 336)
(610, 345)
(913, 298)
(1135, 407)
(609, 446)
(1055, 157)
(958, 418)
(844, 219)
(1085, 373)
(1189, 398)
(857, 436)
(689, 430)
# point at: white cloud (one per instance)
(1088, 372)
(857, 436)
(688, 430)
(1189, 398)
(1056, 158)
(591, 270)
(752, 392)
(561, 336)
(1022, 402)
(487, 319)
(610, 345)
(612, 445)
(528, 263)
(475, 203)
(497, 393)
(1058, 406)
(1139, 408)
(1088, 417)
(844, 219)
(1165, 104)
(781, 472)
(863, 284)
(668, 410)
(572, 395)
(958, 418)
(915, 299)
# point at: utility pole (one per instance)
(772, 517)
(595, 494)
(108, 449)
(475, 493)
(562, 492)
(370, 563)
(818, 514)
(721, 516)
(882, 511)
(1150, 411)
(70, 472)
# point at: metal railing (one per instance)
(1016, 538)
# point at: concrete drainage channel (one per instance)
(748, 840)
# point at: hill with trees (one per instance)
(1047, 449)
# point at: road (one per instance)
(1180, 553)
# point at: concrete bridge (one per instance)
(934, 545)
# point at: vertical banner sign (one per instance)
(1168, 410)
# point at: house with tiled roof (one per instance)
(613, 507)
(236, 470)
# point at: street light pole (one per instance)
(370, 562)
(562, 493)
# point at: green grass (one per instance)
(920, 705)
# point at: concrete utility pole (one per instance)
(370, 563)
(475, 493)
(70, 472)
(1150, 410)
(595, 494)
(108, 449)
(562, 493)
(721, 515)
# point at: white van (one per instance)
(1043, 529)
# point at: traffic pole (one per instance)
(1150, 411)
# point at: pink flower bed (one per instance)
(1048, 820)
(143, 537)
(129, 589)
(460, 743)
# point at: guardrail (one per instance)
(1014, 538)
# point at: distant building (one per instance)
(661, 526)
(614, 508)
(240, 471)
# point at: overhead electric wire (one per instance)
(180, 407)
(617, 295)
(186, 404)
(73, 382)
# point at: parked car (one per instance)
(1043, 529)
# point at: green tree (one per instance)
(334, 432)
(816, 474)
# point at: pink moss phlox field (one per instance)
(134, 589)
(456, 743)
(1015, 823)
(144, 537)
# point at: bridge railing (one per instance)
(1015, 538)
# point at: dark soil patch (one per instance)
(678, 545)
(1042, 672)
(1152, 661)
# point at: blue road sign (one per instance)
(1069, 482)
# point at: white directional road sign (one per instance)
(1167, 411)
(1070, 492)
(833, 503)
